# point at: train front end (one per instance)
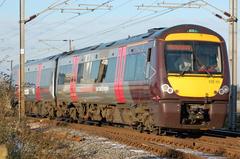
(193, 78)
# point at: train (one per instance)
(168, 78)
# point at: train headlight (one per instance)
(224, 90)
(221, 92)
(167, 88)
(170, 90)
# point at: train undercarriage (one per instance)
(136, 116)
(157, 119)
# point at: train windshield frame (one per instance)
(193, 57)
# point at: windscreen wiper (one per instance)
(205, 70)
(184, 71)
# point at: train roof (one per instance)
(49, 58)
(130, 39)
(151, 34)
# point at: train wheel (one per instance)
(51, 113)
(44, 109)
(73, 114)
(157, 131)
(28, 108)
(163, 133)
(140, 127)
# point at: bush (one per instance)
(19, 139)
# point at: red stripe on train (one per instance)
(116, 75)
(39, 74)
(119, 75)
(73, 93)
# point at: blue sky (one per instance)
(93, 27)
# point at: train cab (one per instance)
(194, 78)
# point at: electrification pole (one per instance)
(70, 44)
(22, 60)
(233, 4)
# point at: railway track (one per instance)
(165, 146)
(223, 133)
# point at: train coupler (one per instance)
(195, 114)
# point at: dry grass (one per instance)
(20, 140)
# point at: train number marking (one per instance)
(102, 89)
(26, 91)
(214, 82)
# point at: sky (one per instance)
(46, 34)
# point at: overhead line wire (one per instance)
(112, 27)
(100, 16)
(220, 10)
(44, 17)
(140, 20)
(116, 26)
(40, 20)
(51, 5)
(96, 18)
(165, 12)
(3, 2)
(62, 22)
(136, 14)
(56, 3)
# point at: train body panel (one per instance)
(141, 81)
(40, 81)
(115, 75)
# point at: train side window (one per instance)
(31, 78)
(95, 70)
(27, 81)
(140, 65)
(61, 77)
(46, 77)
(80, 72)
(102, 71)
(130, 68)
(64, 74)
(86, 73)
(110, 73)
(147, 70)
(149, 53)
(68, 73)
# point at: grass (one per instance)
(20, 140)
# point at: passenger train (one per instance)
(167, 78)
